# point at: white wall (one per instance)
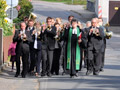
(105, 9)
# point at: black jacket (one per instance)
(22, 45)
(48, 40)
(95, 42)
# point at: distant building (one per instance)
(110, 10)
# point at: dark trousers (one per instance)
(55, 64)
(25, 56)
(85, 57)
(32, 59)
(47, 59)
(64, 57)
(102, 58)
(93, 60)
(37, 58)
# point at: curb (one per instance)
(4, 66)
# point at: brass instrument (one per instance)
(32, 16)
(108, 34)
(49, 28)
(95, 31)
(38, 31)
(22, 36)
(57, 37)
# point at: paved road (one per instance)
(45, 9)
(107, 80)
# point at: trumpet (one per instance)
(37, 32)
(23, 36)
(33, 16)
(49, 28)
(57, 38)
(95, 31)
(108, 34)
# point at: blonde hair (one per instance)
(58, 20)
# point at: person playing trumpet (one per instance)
(57, 51)
(23, 38)
(37, 47)
(48, 46)
(95, 39)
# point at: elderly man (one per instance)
(95, 38)
(22, 37)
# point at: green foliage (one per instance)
(7, 27)
(75, 2)
(17, 21)
(26, 9)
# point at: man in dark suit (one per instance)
(95, 38)
(23, 38)
(48, 45)
(31, 28)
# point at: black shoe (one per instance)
(16, 75)
(63, 73)
(57, 73)
(96, 73)
(101, 70)
(76, 74)
(71, 76)
(85, 66)
(23, 76)
(49, 75)
(88, 72)
(42, 75)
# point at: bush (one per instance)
(7, 27)
(26, 9)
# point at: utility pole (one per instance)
(11, 13)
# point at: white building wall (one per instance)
(105, 9)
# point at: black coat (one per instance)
(95, 42)
(22, 45)
(48, 40)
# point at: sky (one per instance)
(14, 2)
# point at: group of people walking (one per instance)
(53, 44)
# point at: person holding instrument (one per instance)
(23, 38)
(95, 38)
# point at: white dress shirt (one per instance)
(74, 31)
(35, 42)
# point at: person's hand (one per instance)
(38, 32)
(91, 30)
(19, 35)
(79, 41)
(24, 36)
(97, 30)
(34, 32)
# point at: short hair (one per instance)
(25, 17)
(101, 18)
(21, 23)
(48, 18)
(88, 22)
(30, 20)
(74, 20)
(56, 24)
(70, 16)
